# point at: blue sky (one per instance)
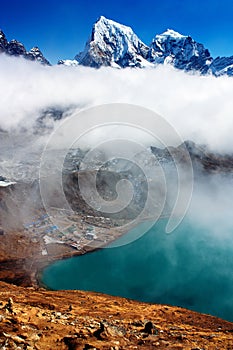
(61, 28)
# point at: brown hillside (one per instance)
(38, 319)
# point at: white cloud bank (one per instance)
(200, 108)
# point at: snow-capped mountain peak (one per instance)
(36, 55)
(170, 33)
(107, 26)
(113, 44)
(179, 50)
(16, 48)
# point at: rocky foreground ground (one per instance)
(39, 319)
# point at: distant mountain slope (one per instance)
(16, 48)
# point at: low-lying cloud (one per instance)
(199, 107)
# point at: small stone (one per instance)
(99, 331)
(34, 337)
(150, 328)
(116, 342)
(89, 346)
(15, 338)
(9, 305)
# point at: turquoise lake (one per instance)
(187, 268)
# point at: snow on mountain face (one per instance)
(36, 55)
(3, 42)
(115, 45)
(222, 66)
(16, 48)
(179, 50)
(70, 63)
